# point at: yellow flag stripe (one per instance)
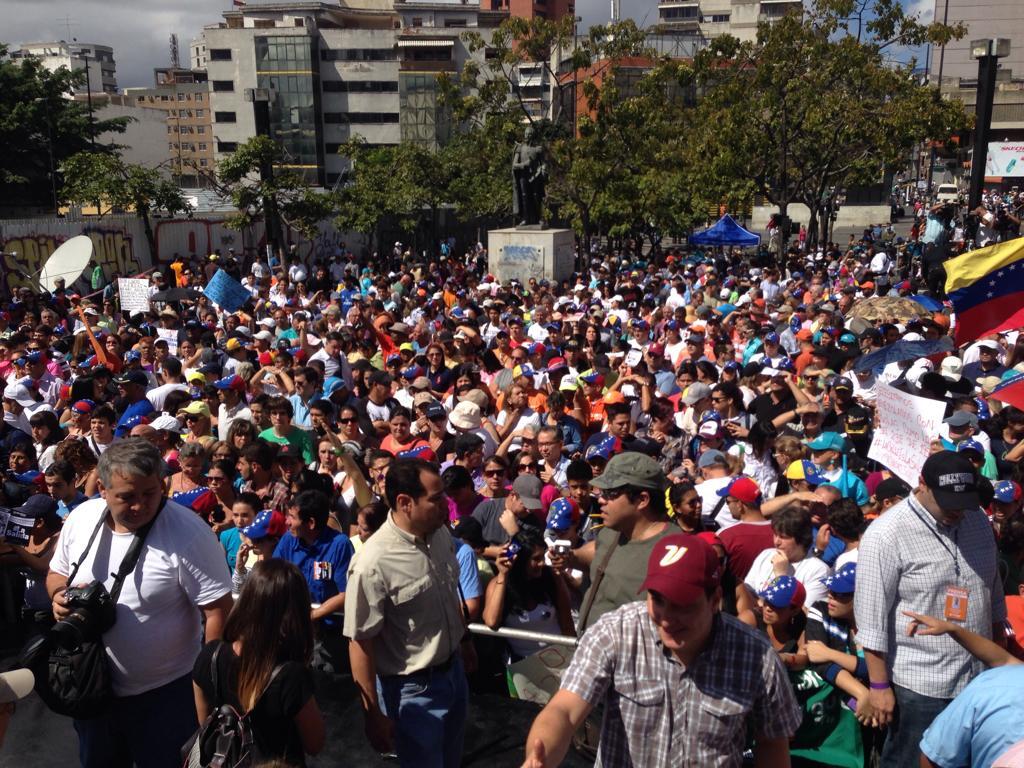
(967, 269)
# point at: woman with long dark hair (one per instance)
(527, 594)
(266, 672)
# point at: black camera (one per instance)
(92, 614)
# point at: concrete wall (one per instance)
(121, 248)
(145, 139)
(849, 215)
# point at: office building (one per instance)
(984, 19)
(182, 96)
(711, 18)
(955, 71)
(366, 68)
(96, 60)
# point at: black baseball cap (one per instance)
(952, 479)
(890, 488)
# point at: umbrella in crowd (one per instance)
(1011, 391)
(176, 294)
(903, 350)
(889, 309)
(928, 302)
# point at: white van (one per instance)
(947, 193)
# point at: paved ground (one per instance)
(495, 735)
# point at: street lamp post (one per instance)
(987, 52)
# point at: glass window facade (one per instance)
(423, 120)
(284, 64)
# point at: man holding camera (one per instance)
(155, 635)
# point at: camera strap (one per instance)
(131, 557)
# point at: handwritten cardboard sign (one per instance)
(908, 424)
(134, 293)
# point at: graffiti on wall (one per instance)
(24, 255)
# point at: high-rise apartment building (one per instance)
(183, 96)
(984, 19)
(711, 18)
(96, 60)
(365, 68)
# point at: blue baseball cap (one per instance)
(605, 449)
(971, 445)
(784, 592)
(843, 581)
(771, 338)
(267, 523)
(1007, 491)
(562, 513)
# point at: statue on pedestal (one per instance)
(529, 175)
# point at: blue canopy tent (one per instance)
(725, 232)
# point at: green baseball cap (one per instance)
(634, 469)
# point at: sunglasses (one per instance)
(841, 597)
(494, 472)
(349, 420)
(529, 466)
(611, 494)
(216, 478)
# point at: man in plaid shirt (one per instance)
(681, 682)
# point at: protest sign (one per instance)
(536, 677)
(227, 292)
(170, 335)
(134, 293)
(16, 528)
(908, 424)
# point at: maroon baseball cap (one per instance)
(681, 568)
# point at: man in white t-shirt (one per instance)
(790, 557)
(156, 635)
(714, 468)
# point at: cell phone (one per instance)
(512, 550)
(561, 546)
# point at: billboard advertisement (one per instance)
(1005, 158)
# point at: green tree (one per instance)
(816, 104)
(122, 187)
(38, 121)
(405, 184)
(262, 190)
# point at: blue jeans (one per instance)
(914, 713)
(429, 712)
(147, 730)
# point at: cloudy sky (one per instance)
(138, 30)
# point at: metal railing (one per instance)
(504, 632)
(523, 634)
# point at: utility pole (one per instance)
(942, 60)
(987, 52)
(260, 98)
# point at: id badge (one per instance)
(322, 570)
(956, 604)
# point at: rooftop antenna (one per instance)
(175, 59)
(616, 15)
(68, 24)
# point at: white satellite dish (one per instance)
(68, 261)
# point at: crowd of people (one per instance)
(665, 456)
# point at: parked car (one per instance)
(947, 193)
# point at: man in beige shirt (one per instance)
(404, 616)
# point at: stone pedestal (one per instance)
(523, 252)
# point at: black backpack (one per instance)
(225, 739)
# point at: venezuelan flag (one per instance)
(986, 287)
